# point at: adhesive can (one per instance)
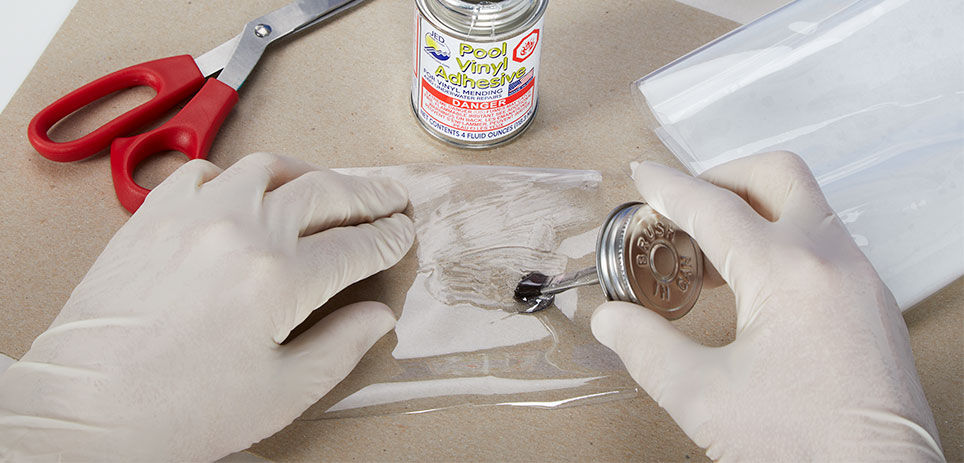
(476, 68)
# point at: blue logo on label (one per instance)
(435, 46)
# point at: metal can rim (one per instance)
(538, 11)
(608, 252)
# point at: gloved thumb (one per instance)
(665, 363)
(326, 353)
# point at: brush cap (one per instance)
(644, 258)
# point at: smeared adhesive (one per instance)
(479, 227)
(478, 230)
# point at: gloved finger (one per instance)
(323, 199)
(331, 260)
(711, 276)
(187, 178)
(778, 185)
(326, 353)
(719, 220)
(664, 362)
(256, 174)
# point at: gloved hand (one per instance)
(821, 368)
(169, 347)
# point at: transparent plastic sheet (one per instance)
(870, 93)
(459, 339)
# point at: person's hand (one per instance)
(169, 347)
(821, 367)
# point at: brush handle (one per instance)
(566, 281)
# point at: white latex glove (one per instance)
(821, 368)
(168, 348)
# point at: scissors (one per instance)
(192, 130)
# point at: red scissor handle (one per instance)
(191, 132)
(174, 79)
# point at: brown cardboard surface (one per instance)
(338, 96)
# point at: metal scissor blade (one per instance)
(261, 32)
(215, 59)
(327, 16)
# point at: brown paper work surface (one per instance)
(338, 96)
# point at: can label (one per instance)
(475, 92)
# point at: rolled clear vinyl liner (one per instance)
(870, 93)
(460, 339)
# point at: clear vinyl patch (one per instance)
(460, 338)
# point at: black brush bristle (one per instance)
(530, 286)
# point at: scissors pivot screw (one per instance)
(262, 30)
